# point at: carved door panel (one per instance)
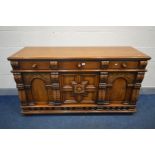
(79, 88)
(119, 87)
(38, 88)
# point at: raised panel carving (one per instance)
(79, 88)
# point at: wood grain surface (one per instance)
(78, 53)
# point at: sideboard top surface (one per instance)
(119, 52)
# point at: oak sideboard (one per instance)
(54, 80)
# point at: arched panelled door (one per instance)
(119, 88)
(39, 91)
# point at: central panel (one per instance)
(79, 87)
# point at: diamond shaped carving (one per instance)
(79, 90)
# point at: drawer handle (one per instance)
(34, 66)
(80, 65)
(124, 65)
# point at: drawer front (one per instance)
(30, 65)
(80, 65)
(119, 64)
(35, 65)
(123, 64)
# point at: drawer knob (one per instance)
(124, 65)
(34, 66)
(80, 65)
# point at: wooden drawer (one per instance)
(123, 64)
(34, 65)
(120, 64)
(30, 65)
(79, 65)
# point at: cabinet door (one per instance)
(38, 88)
(119, 87)
(79, 88)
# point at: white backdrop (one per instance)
(13, 39)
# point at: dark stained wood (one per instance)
(78, 79)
